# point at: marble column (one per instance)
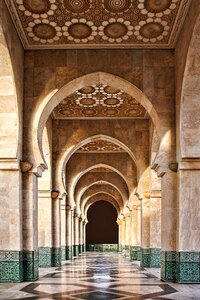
(136, 232)
(30, 226)
(128, 233)
(145, 233)
(11, 254)
(84, 234)
(76, 234)
(69, 220)
(45, 228)
(119, 222)
(155, 229)
(80, 235)
(123, 233)
(168, 225)
(63, 229)
(188, 223)
(56, 205)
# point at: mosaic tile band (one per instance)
(103, 247)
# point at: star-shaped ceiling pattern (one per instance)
(99, 101)
(96, 24)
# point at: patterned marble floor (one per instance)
(99, 276)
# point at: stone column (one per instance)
(188, 234)
(136, 232)
(145, 236)
(84, 234)
(56, 251)
(119, 222)
(168, 225)
(63, 229)
(128, 233)
(11, 254)
(123, 233)
(155, 229)
(45, 228)
(76, 234)
(80, 235)
(68, 232)
(30, 226)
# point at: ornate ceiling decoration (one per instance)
(98, 23)
(100, 146)
(99, 101)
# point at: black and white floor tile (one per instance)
(99, 276)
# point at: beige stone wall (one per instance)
(11, 99)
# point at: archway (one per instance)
(102, 227)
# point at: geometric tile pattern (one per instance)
(11, 266)
(100, 146)
(135, 253)
(102, 247)
(75, 250)
(182, 267)
(150, 257)
(30, 265)
(49, 257)
(85, 23)
(99, 101)
(94, 276)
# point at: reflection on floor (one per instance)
(99, 276)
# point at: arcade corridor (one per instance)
(99, 276)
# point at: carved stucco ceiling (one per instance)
(99, 101)
(101, 170)
(98, 23)
(100, 146)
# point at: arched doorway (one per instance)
(102, 227)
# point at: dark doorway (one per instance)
(102, 227)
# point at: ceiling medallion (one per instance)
(77, 6)
(117, 6)
(44, 31)
(100, 146)
(115, 30)
(151, 30)
(35, 8)
(66, 112)
(157, 7)
(79, 30)
(110, 112)
(89, 112)
(91, 96)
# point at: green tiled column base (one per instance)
(150, 257)
(76, 250)
(83, 248)
(56, 257)
(11, 266)
(50, 257)
(181, 267)
(30, 265)
(79, 249)
(102, 247)
(135, 253)
(69, 252)
(63, 253)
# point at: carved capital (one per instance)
(25, 166)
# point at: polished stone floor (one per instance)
(99, 276)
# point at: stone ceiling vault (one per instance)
(98, 24)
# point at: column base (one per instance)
(11, 266)
(49, 257)
(79, 249)
(150, 257)
(66, 252)
(75, 250)
(102, 247)
(83, 248)
(119, 248)
(180, 267)
(30, 265)
(135, 253)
